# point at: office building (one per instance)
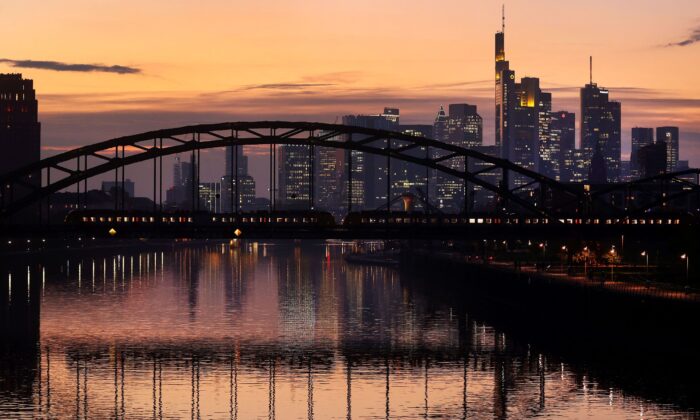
(670, 136)
(641, 137)
(601, 126)
(293, 177)
(111, 187)
(561, 143)
(20, 130)
(653, 159)
(368, 173)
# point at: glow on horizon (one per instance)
(316, 60)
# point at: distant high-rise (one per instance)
(562, 141)
(481, 199)
(182, 193)
(20, 130)
(522, 116)
(464, 126)
(601, 126)
(670, 136)
(505, 81)
(525, 126)
(653, 159)
(329, 181)
(111, 187)
(409, 178)
(464, 129)
(598, 172)
(246, 196)
(294, 167)
(641, 137)
(369, 172)
(391, 115)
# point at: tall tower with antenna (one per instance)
(504, 89)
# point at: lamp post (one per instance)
(645, 254)
(612, 264)
(564, 255)
(585, 262)
(687, 265)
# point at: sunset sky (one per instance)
(158, 64)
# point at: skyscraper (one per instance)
(369, 172)
(504, 90)
(236, 159)
(182, 193)
(294, 168)
(601, 126)
(329, 181)
(653, 159)
(409, 178)
(20, 130)
(640, 137)
(463, 129)
(522, 115)
(670, 136)
(562, 141)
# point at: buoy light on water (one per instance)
(237, 232)
(112, 232)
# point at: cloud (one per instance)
(60, 66)
(286, 86)
(693, 38)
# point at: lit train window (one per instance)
(152, 219)
(85, 219)
(189, 219)
(472, 221)
(678, 221)
(102, 219)
(213, 219)
(119, 219)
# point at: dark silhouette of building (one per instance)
(20, 130)
(601, 126)
(641, 137)
(598, 170)
(112, 188)
(653, 159)
(237, 164)
(670, 136)
(182, 194)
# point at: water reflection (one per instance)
(277, 330)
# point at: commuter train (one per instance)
(144, 219)
(418, 219)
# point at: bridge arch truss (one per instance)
(38, 181)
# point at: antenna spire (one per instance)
(590, 69)
(503, 18)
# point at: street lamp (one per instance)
(563, 250)
(585, 261)
(644, 254)
(687, 265)
(612, 263)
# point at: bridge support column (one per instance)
(388, 175)
(235, 178)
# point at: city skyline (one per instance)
(129, 93)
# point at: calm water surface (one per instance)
(277, 330)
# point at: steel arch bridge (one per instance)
(34, 184)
